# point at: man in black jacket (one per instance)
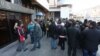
(73, 34)
(52, 32)
(91, 38)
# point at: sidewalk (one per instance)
(45, 50)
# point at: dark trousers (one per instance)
(53, 43)
(36, 44)
(21, 46)
(71, 50)
(61, 43)
(88, 53)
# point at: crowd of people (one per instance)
(79, 35)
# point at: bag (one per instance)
(22, 38)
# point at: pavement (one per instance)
(45, 49)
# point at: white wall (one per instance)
(65, 1)
(65, 11)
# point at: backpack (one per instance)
(31, 27)
(21, 34)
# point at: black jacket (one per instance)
(91, 39)
(60, 30)
(73, 36)
(52, 30)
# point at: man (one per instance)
(37, 34)
(91, 39)
(61, 34)
(31, 28)
(73, 35)
(52, 32)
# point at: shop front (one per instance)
(7, 22)
(26, 18)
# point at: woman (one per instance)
(21, 36)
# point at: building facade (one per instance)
(12, 10)
(59, 9)
(90, 14)
(41, 9)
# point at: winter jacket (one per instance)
(73, 36)
(91, 39)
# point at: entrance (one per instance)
(4, 29)
(7, 32)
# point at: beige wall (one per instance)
(52, 3)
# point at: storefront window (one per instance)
(7, 31)
(26, 19)
(18, 2)
(8, 0)
(12, 19)
(4, 29)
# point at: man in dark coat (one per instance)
(98, 25)
(36, 34)
(91, 39)
(73, 34)
(52, 29)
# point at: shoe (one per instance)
(32, 49)
(53, 48)
(25, 49)
(62, 49)
(18, 50)
(38, 47)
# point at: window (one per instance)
(48, 1)
(18, 2)
(8, 0)
(58, 0)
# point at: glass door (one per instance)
(4, 29)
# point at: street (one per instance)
(45, 50)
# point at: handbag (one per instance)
(21, 36)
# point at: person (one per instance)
(31, 28)
(98, 25)
(15, 29)
(47, 27)
(73, 34)
(84, 25)
(37, 35)
(42, 24)
(91, 39)
(21, 36)
(52, 29)
(61, 33)
(67, 24)
(77, 25)
(62, 38)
